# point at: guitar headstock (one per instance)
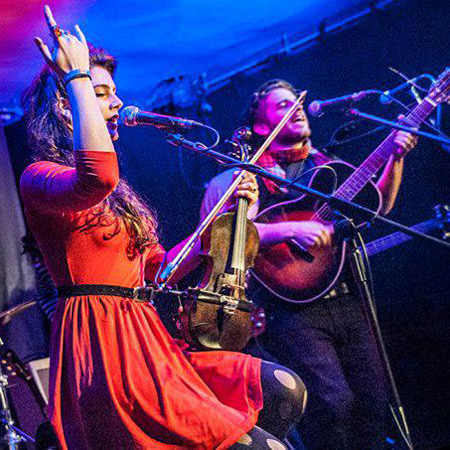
(442, 213)
(440, 90)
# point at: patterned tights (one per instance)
(284, 396)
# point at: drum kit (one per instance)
(23, 392)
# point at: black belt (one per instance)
(139, 293)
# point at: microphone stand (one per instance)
(356, 261)
(355, 244)
(359, 271)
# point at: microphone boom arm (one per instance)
(398, 126)
(335, 202)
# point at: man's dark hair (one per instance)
(250, 116)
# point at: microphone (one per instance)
(385, 97)
(132, 116)
(317, 107)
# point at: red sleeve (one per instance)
(52, 187)
(154, 261)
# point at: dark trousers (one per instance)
(330, 345)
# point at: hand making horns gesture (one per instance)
(69, 52)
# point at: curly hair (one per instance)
(251, 114)
(51, 138)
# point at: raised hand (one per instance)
(247, 188)
(405, 143)
(69, 52)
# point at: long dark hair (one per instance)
(50, 135)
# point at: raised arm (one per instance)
(71, 53)
(53, 187)
(391, 178)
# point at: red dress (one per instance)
(117, 378)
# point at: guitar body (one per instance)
(299, 276)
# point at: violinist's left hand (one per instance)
(248, 188)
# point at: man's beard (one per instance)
(291, 139)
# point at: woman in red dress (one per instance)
(117, 378)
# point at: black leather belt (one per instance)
(139, 293)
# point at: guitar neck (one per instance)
(353, 185)
(397, 238)
(364, 173)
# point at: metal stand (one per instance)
(340, 204)
(359, 271)
(11, 435)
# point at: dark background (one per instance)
(411, 281)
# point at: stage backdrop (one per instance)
(26, 332)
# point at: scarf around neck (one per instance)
(272, 161)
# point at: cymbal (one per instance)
(7, 315)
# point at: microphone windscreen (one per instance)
(128, 115)
(315, 108)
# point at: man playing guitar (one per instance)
(328, 342)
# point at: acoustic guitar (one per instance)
(298, 275)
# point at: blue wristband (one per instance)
(77, 73)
